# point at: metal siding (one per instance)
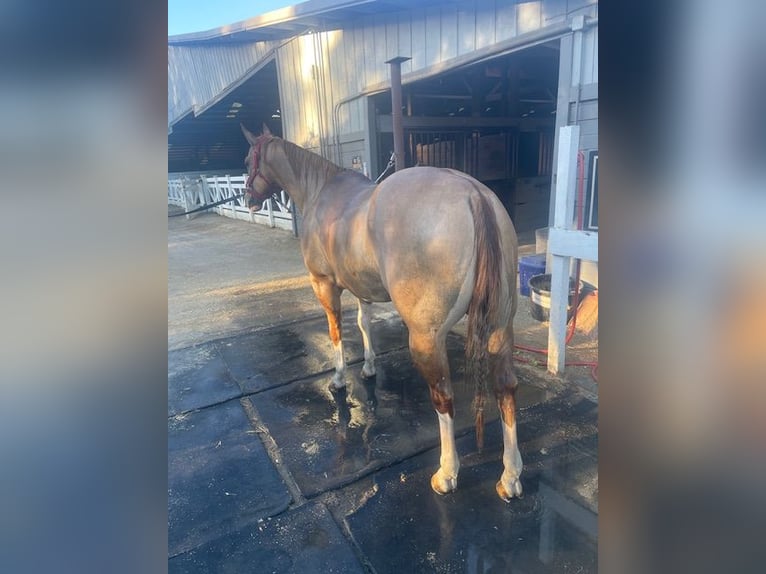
(360, 115)
(358, 59)
(554, 11)
(392, 37)
(379, 68)
(505, 21)
(368, 33)
(587, 110)
(293, 101)
(306, 62)
(485, 24)
(405, 41)
(589, 142)
(418, 38)
(433, 35)
(329, 39)
(466, 27)
(448, 32)
(354, 56)
(286, 90)
(340, 63)
(588, 127)
(335, 64)
(529, 16)
(590, 56)
(197, 75)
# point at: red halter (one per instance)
(256, 164)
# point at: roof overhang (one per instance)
(296, 20)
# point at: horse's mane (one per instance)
(309, 162)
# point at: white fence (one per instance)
(192, 193)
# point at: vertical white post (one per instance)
(230, 193)
(201, 190)
(205, 191)
(220, 195)
(214, 193)
(270, 209)
(185, 192)
(566, 185)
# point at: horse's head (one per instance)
(259, 187)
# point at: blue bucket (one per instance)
(530, 266)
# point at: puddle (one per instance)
(550, 529)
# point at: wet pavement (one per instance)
(269, 471)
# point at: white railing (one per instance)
(190, 194)
(176, 195)
(186, 193)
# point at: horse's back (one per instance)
(423, 228)
(433, 206)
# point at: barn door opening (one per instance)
(494, 120)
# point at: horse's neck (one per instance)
(306, 174)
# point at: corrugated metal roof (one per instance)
(199, 75)
(294, 20)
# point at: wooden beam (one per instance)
(573, 243)
(385, 123)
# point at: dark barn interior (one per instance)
(212, 141)
(494, 120)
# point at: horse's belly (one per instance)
(365, 286)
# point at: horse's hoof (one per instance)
(336, 387)
(368, 372)
(443, 484)
(509, 491)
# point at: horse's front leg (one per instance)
(329, 296)
(363, 319)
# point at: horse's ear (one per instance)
(266, 130)
(249, 136)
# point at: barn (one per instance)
(486, 87)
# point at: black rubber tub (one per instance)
(540, 296)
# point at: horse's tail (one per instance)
(484, 308)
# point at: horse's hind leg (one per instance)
(501, 349)
(329, 296)
(429, 353)
(363, 320)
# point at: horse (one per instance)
(435, 242)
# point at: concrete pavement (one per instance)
(270, 472)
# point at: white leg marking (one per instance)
(339, 378)
(445, 479)
(509, 484)
(363, 320)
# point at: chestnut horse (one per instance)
(435, 242)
